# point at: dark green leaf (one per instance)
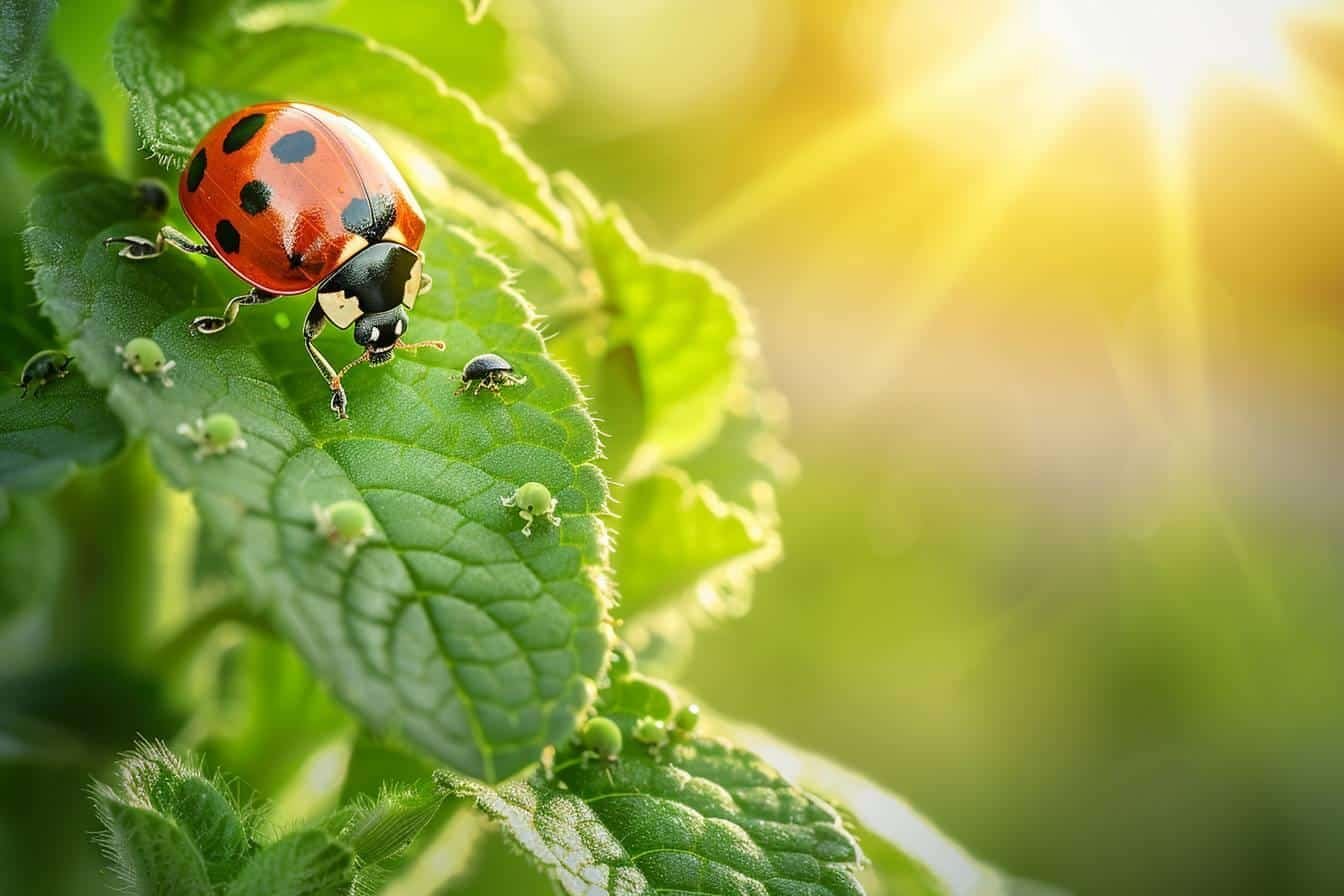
(166, 824)
(304, 863)
(23, 31)
(39, 100)
(45, 437)
(150, 855)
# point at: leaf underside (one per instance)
(451, 629)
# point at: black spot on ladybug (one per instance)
(370, 219)
(295, 260)
(243, 130)
(254, 197)
(295, 147)
(227, 236)
(196, 171)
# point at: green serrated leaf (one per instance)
(304, 863)
(149, 854)
(695, 815)
(23, 30)
(704, 817)
(747, 461)
(478, 56)
(379, 829)
(39, 100)
(473, 642)
(686, 325)
(679, 541)
(166, 825)
(177, 93)
(45, 437)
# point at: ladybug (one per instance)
(291, 198)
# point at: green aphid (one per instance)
(218, 433)
(347, 524)
(143, 357)
(651, 732)
(602, 738)
(686, 719)
(532, 500)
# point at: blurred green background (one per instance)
(1054, 292)
(1061, 336)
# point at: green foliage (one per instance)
(477, 644)
(169, 829)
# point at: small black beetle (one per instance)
(488, 372)
(42, 368)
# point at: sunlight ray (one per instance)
(849, 140)
(1181, 298)
(1314, 115)
(952, 253)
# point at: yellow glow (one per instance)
(1169, 50)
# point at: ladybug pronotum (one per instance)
(293, 197)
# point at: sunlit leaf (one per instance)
(699, 816)
(678, 538)
(473, 642)
(686, 325)
(504, 67)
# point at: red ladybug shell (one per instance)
(286, 192)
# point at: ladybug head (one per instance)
(380, 333)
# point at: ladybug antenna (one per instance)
(428, 343)
(352, 365)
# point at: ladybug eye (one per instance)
(374, 334)
(401, 327)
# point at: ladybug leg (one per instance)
(316, 321)
(209, 325)
(176, 238)
(137, 248)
